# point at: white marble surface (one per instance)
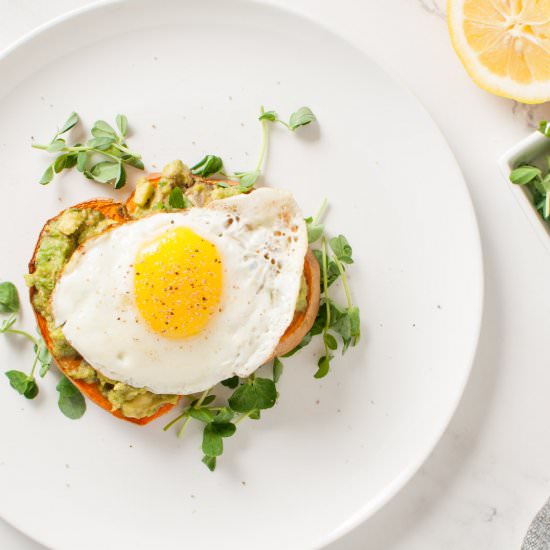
(491, 471)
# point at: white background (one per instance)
(491, 471)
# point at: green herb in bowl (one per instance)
(535, 176)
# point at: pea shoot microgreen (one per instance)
(301, 117)
(222, 416)
(9, 299)
(333, 256)
(208, 165)
(177, 199)
(277, 369)
(536, 178)
(23, 383)
(314, 228)
(105, 142)
(212, 164)
(71, 402)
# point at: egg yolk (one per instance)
(178, 282)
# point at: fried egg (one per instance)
(177, 302)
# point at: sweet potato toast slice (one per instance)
(119, 212)
(115, 211)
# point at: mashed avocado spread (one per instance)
(59, 240)
(151, 196)
(63, 235)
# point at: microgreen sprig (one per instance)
(323, 365)
(105, 142)
(212, 164)
(331, 319)
(301, 117)
(71, 402)
(250, 396)
(535, 179)
(23, 383)
(315, 229)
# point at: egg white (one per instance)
(262, 251)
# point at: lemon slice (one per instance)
(504, 45)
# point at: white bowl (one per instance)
(530, 149)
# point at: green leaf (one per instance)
(101, 143)
(269, 115)
(18, 380)
(355, 324)
(314, 232)
(210, 462)
(207, 400)
(277, 369)
(224, 415)
(255, 415)
(22, 383)
(31, 391)
(333, 273)
(524, 174)
(120, 181)
(341, 249)
(247, 179)
(105, 171)
(177, 199)
(81, 160)
(347, 324)
(232, 382)
(330, 341)
(122, 123)
(225, 429)
(133, 161)
(71, 402)
(212, 444)
(544, 128)
(71, 160)
(343, 328)
(102, 129)
(208, 165)
(203, 415)
(9, 299)
(68, 160)
(69, 123)
(56, 146)
(301, 117)
(256, 393)
(323, 366)
(47, 176)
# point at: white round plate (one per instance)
(191, 76)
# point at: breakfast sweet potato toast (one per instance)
(120, 213)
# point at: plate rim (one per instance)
(400, 481)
